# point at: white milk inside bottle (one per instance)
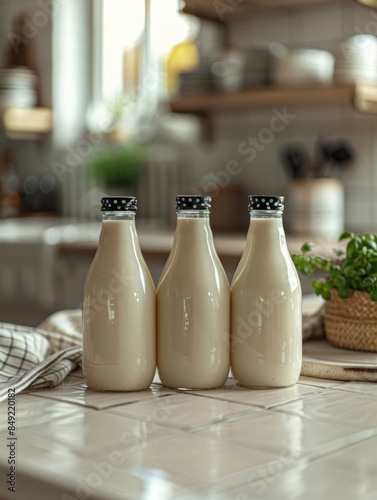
(119, 312)
(193, 304)
(266, 331)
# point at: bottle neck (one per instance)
(118, 216)
(266, 214)
(266, 228)
(193, 228)
(118, 228)
(193, 214)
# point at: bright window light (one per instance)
(169, 27)
(123, 26)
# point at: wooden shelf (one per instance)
(362, 96)
(224, 11)
(27, 123)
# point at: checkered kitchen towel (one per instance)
(37, 357)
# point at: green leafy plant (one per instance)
(117, 166)
(356, 269)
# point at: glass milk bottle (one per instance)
(193, 304)
(119, 313)
(266, 332)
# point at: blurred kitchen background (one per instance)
(159, 98)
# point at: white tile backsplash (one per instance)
(296, 28)
(320, 113)
(322, 23)
(261, 28)
(241, 33)
(271, 28)
(348, 19)
(360, 173)
(351, 113)
(259, 174)
(373, 141)
(373, 215)
(365, 21)
(358, 209)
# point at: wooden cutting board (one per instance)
(322, 360)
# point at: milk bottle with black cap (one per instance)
(119, 312)
(193, 304)
(266, 334)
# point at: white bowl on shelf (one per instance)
(304, 67)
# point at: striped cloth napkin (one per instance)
(39, 357)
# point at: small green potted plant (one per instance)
(350, 290)
(117, 169)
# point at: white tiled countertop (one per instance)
(316, 439)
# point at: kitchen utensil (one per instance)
(296, 161)
(340, 152)
(333, 152)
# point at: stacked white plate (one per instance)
(242, 68)
(18, 88)
(303, 67)
(196, 82)
(356, 60)
(259, 60)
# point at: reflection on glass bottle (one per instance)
(119, 313)
(266, 335)
(193, 304)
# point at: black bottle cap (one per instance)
(118, 204)
(264, 202)
(193, 202)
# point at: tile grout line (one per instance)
(96, 407)
(310, 457)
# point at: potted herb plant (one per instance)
(117, 169)
(350, 290)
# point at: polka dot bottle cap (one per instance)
(118, 204)
(263, 202)
(193, 202)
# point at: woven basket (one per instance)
(358, 306)
(352, 323)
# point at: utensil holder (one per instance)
(315, 207)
